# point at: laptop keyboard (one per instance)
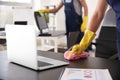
(41, 64)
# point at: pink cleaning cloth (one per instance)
(74, 56)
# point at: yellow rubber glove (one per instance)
(85, 42)
(84, 23)
(44, 11)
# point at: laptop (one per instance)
(42, 26)
(22, 48)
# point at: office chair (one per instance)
(106, 46)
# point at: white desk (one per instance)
(55, 39)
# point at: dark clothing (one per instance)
(115, 4)
(73, 21)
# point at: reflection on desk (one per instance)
(10, 71)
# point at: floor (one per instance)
(2, 47)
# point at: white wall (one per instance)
(5, 15)
(23, 14)
(6, 11)
(18, 1)
(91, 7)
(36, 5)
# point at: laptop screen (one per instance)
(40, 21)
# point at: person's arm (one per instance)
(98, 15)
(56, 9)
(85, 18)
(91, 29)
(84, 6)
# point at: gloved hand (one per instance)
(84, 24)
(84, 43)
(44, 11)
(74, 56)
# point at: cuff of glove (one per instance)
(75, 57)
(47, 11)
(85, 18)
(44, 11)
(90, 33)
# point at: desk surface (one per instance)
(10, 71)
